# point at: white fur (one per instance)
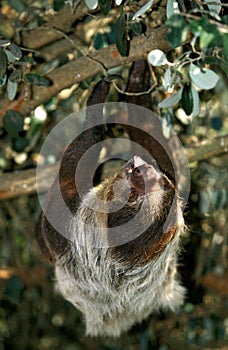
(112, 296)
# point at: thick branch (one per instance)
(86, 67)
(24, 182)
(207, 149)
(35, 38)
(63, 20)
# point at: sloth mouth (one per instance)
(143, 177)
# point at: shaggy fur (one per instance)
(116, 287)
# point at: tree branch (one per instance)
(24, 182)
(34, 38)
(207, 149)
(75, 72)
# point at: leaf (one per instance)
(177, 30)
(157, 58)
(26, 60)
(36, 79)
(187, 99)
(13, 290)
(224, 19)
(13, 123)
(219, 61)
(58, 4)
(4, 42)
(15, 50)
(91, 4)
(3, 80)
(208, 33)
(19, 144)
(11, 58)
(172, 8)
(3, 63)
(11, 89)
(105, 6)
(121, 36)
(167, 83)
(166, 126)
(143, 9)
(171, 100)
(100, 41)
(205, 79)
(134, 26)
(214, 7)
(18, 5)
(196, 102)
(15, 76)
(225, 47)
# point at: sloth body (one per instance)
(118, 285)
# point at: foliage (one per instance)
(13, 66)
(188, 85)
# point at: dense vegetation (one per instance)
(51, 55)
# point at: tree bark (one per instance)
(84, 68)
(24, 182)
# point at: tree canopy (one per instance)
(52, 54)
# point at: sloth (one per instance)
(117, 259)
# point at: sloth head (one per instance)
(132, 209)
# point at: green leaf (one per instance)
(177, 30)
(157, 58)
(219, 61)
(134, 26)
(166, 125)
(15, 50)
(3, 63)
(36, 79)
(11, 89)
(143, 9)
(18, 5)
(105, 6)
(4, 42)
(11, 58)
(26, 60)
(58, 4)
(214, 7)
(167, 82)
(121, 36)
(15, 76)
(3, 80)
(203, 78)
(196, 102)
(208, 33)
(224, 19)
(172, 8)
(225, 47)
(13, 290)
(187, 99)
(13, 123)
(171, 100)
(91, 4)
(100, 41)
(19, 144)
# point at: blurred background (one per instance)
(33, 315)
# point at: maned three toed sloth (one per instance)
(117, 286)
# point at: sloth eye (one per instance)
(133, 195)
